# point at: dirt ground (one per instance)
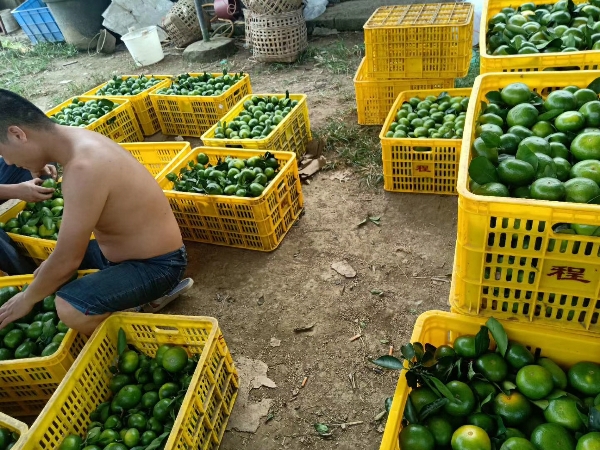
(257, 296)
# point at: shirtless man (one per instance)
(106, 192)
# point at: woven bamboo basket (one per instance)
(277, 38)
(181, 23)
(273, 6)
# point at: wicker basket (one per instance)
(273, 6)
(276, 38)
(181, 23)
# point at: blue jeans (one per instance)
(126, 285)
(14, 263)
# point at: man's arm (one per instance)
(85, 195)
(29, 191)
(8, 191)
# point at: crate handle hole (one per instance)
(166, 330)
(581, 229)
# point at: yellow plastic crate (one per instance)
(13, 425)
(206, 407)
(141, 103)
(155, 156)
(509, 262)
(258, 223)
(439, 328)
(27, 384)
(120, 124)
(407, 169)
(375, 97)
(185, 115)
(35, 248)
(419, 41)
(291, 135)
(583, 60)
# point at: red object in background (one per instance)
(226, 9)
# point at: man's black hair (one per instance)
(17, 111)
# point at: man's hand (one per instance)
(35, 272)
(48, 171)
(31, 191)
(14, 309)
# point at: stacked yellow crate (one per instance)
(411, 47)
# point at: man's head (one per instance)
(21, 123)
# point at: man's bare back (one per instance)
(106, 192)
(135, 208)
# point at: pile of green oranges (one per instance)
(147, 394)
(472, 398)
(534, 148)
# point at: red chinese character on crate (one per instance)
(423, 169)
(568, 273)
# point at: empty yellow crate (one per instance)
(375, 97)
(13, 425)
(155, 156)
(120, 124)
(441, 328)
(141, 103)
(206, 407)
(583, 60)
(27, 384)
(186, 115)
(426, 166)
(419, 41)
(509, 262)
(291, 135)
(258, 223)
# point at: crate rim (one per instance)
(362, 67)
(92, 92)
(15, 424)
(56, 109)
(366, 26)
(462, 180)
(216, 97)
(400, 100)
(483, 26)
(251, 200)
(210, 133)
(18, 10)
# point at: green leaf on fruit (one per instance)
(388, 362)
(527, 155)
(499, 335)
(482, 171)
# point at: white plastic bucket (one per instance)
(144, 46)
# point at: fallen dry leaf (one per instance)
(304, 328)
(343, 268)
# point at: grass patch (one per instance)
(468, 81)
(351, 145)
(339, 58)
(18, 61)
